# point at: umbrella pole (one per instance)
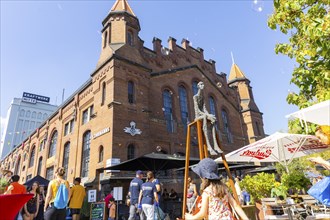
(281, 146)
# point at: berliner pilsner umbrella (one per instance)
(278, 147)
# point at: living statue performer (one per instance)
(202, 113)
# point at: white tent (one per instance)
(317, 114)
(278, 147)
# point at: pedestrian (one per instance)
(107, 202)
(57, 211)
(31, 208)
(15, 187)
(133, 194)
(216, 199)
(173, 195)
(76, 197)
(165, 194)
(42, 196)
(157, 184)
(112, 209)
(191, 194)
(148, 196)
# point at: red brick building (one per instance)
(146, 89)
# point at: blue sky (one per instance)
(50, 45)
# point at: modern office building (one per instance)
(137, 100)
(24, 116)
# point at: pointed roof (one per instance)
(235, 73)
(122, 5)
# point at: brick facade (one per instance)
(124, 59)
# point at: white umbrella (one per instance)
(317, 114)
(278, 147)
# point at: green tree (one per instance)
(259, 186)
(308, 23)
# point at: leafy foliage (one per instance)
(3, 183)
(259, 186)
(295, 180)
(297, 165)
(308, 23)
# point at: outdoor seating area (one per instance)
(309, 208)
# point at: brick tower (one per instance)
(252, 117)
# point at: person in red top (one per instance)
(107, 201)
(15, 187)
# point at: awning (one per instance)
(153, 162)
(42, 181)
(317, 114)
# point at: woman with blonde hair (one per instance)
(216, 199)
(52, 212)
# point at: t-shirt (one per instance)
(156, 182)
(77, 196)
(54, 185)
(218, 208)
(148, 190)
(107, 199)
(18, 188)
(134, 189)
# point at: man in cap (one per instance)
(134, 192)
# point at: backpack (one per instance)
(62, 197)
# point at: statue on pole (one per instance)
(201, 113)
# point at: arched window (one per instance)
(130, 152)
(130, 38)
(66, 155)
(184, 106)
(194, 87)
(167, 101)
(213, 109)
(34, 114)
(32, 156)
(103, 93)
(44, 116)
(52, 145)
(22, 113)
(39, 115)
(101, 152)
(226, 126)
(18, 164)
(85, 154)
(130, 89)
(28, 114)
(105, 39)
(50, 173)
(39, 166)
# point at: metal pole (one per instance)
(186, 170)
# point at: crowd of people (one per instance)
(144, 197)
(55, 204)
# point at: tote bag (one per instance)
(321, 191)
